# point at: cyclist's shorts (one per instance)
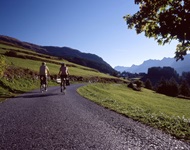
(63, 77)
(43, 79)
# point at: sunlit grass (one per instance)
(11, 88)
(53, 63)
(167, 113)
(17, 49)
(54, 68)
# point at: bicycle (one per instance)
(43, 83)
(63, 85)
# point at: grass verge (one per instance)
(170, 114)
(11, 88)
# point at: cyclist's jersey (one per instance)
(64, 70)
(43, 70)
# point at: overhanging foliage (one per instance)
(163, 20)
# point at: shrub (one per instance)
(11, 53)
(138, 83)
(2, 65)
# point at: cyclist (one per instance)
(63, 73)
(43, 72)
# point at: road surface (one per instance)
(53, 121)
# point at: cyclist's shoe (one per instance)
(61, 90)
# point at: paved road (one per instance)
(52, 121)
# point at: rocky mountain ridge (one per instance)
(179, 66)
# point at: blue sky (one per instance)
(91, 26)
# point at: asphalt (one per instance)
(54, 121)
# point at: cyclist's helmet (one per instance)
(43, 63)
(62, 64)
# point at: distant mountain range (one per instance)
(70, 54)
(179, 66)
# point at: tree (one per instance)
(148, 84)
(173, 87)
(162, 86)
(156, 73)
(163, 20)
(169, 88)
(184, 88)
(186, 76)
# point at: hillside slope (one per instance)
(72, 55)
(84, 59)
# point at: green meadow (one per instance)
(22, 75)
(170, 114)
(53, 67)
(52, 62)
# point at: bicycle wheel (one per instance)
(42, 88)
(62, 85)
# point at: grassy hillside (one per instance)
(70, 54)
(22, 68)
(32, 61)
(167, 113)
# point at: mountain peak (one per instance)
(166, 61)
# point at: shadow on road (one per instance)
(35, 95)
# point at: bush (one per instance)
(136, 85)
(11, 53)
(2, 65)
